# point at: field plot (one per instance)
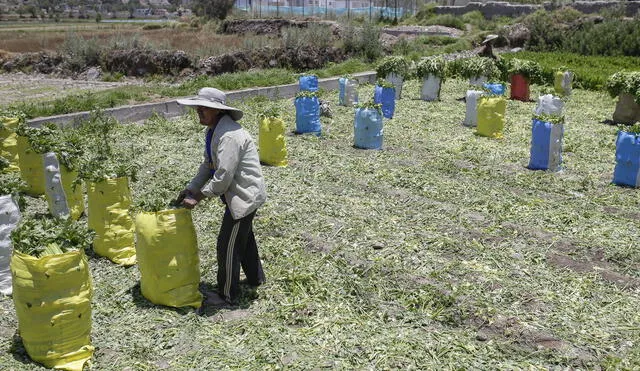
(21, 38)
(440, 251)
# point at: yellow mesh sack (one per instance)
(491, 116)
(52, 297)
(9, 141)
(273, 149)
(562, 83)
(168, 260)
(31, 168)
(108, 204)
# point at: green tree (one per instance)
(98, 17)
(218, 9)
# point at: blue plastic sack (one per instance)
(367, 129)
(386, 97)
(307, 115)
(546, 146)
(495, 88)
(627, 160)
(308, 83)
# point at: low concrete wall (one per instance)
(170, 108)
(492, 9)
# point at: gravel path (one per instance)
(16, 87)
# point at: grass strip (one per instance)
(140, 94)
(591, 72)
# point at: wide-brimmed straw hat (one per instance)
(212, 98)
(489, 38)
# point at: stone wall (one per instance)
(492, 9)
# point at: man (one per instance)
(231, 170)
(487, 48)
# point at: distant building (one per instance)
(160, 12)
(142, 12)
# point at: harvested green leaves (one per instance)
(432, 66)
(103, 160)
(4, 163)
(42, 236)
(531, 70)
(269, 110)
(67, 144)
(474, 67)
(306, 94)
(384, 83)
(552, 119)
(11, 184)
(632, 129)
(624, 82)
(369, 104)
(161, 196)
(393, 64)
(11, 114)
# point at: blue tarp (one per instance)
(308, 82)
(308, 115)
(495, 88)
(367, 129)
(627, 159)
(546, 146)
(386, 97)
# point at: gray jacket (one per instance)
(235, 172)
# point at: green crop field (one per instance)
(441, 251)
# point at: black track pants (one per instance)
(237, 247)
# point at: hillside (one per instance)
(14, 6)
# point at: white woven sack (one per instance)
(430, 88)
(567, 80)
(9, 219)
(549, 105)
(350, 92)
(471, 116)
(53, 186)
(478, 80)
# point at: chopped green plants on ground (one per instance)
(442, 250)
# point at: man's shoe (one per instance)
(216, 300)
(254, 284)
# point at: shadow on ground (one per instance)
(247, 295)
(19, 353)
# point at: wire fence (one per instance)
(373, 11)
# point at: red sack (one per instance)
(519, 88)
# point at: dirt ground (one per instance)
(15, 87)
